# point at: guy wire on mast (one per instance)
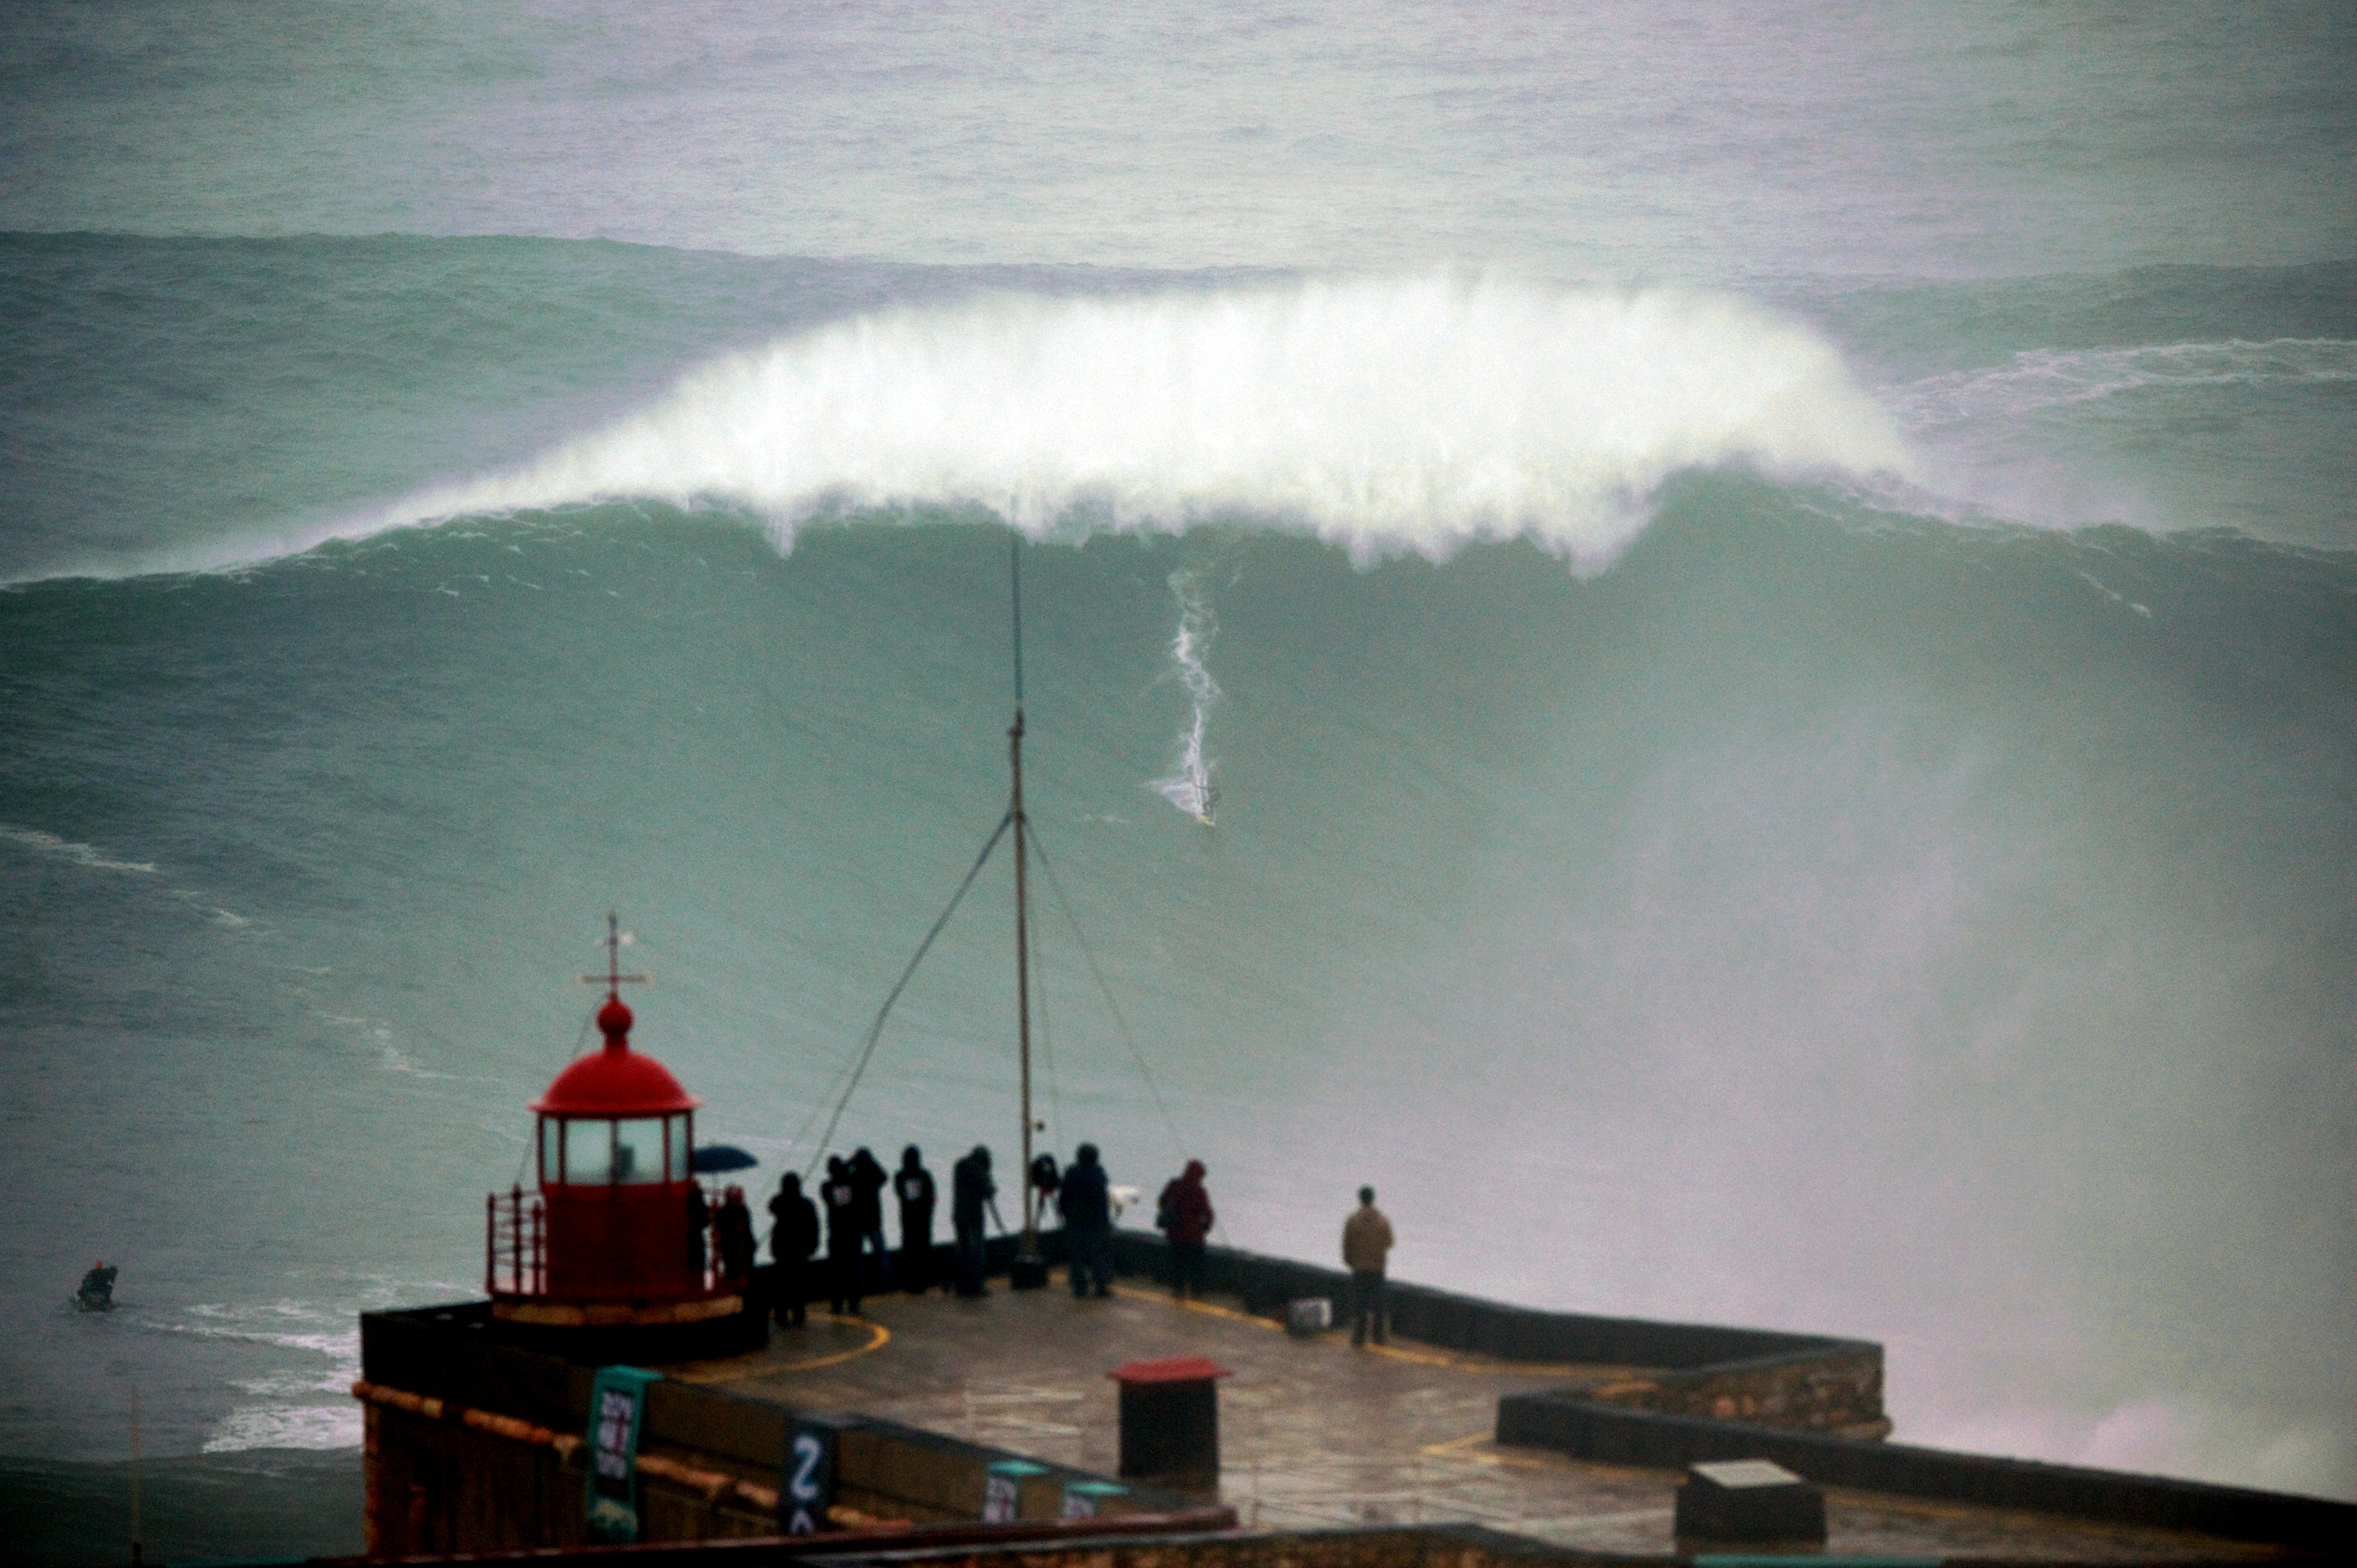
(1031, 1268)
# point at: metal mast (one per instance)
(1030, 1252)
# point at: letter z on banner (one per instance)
(809, 1488)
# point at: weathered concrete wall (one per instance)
(1808, 1381)
(1827, 1390)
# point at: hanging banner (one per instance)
(809, 1483)
(618, 1403)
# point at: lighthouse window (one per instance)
(678, 1146)
(588, 1152)
(638, 1150)
(552, 1149)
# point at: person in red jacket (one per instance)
(1184, 1214)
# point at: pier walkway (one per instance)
(1314, 1432)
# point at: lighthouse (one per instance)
(610, 1254)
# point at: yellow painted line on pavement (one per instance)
(736, 1372)
(879, 1337)
(1207, 1309)
(1456, 1448)
(1419, 1357)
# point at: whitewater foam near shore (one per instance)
(1384, 416)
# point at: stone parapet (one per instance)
(1807, 1381)
(1581, 1427)
(1836, 1389)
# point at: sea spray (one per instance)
(2036, 379)
(1190, 786)
(1389, 416)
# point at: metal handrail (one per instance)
(515, 1225)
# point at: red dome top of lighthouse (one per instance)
(616, 1080)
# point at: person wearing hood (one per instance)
(971, 1191)
(793, 1237)
(868, 1181)
(913, 1185)
(1085, 1199)
(1184, 1215)
(732, 1232)
(843, 1237)
(1045, 1178)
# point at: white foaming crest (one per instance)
(1382, 415)
(95, 859)
(2044, 378)
(1189, 787)
(78, 853)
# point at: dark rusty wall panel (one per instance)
(715, 1422)
(441, 1487)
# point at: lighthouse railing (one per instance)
(516, 1252)
(515, 1244)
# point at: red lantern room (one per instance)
(618, 1234)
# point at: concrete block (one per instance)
(1748, 1499)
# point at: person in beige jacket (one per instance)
(1366, 1242)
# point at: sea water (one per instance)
(1770, 606)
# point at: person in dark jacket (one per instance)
(97, 1292)
(699, 1226)
(913, 1185)
(868, 1181)
(971, 1191)
(793, 1237)
(1184, 1214)
(843, 1236)
(1086, 1202)
(1045, 1179)
(732, 1233)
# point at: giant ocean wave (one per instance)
(1384, 416)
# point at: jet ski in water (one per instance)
(97, 1292)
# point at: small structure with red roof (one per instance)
(618, 1234)
(1170, 1419)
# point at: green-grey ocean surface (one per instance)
(1782, 599)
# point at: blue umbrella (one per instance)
(711, 1159)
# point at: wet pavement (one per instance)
(1315, 1433)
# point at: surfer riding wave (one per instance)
(1190, 786)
